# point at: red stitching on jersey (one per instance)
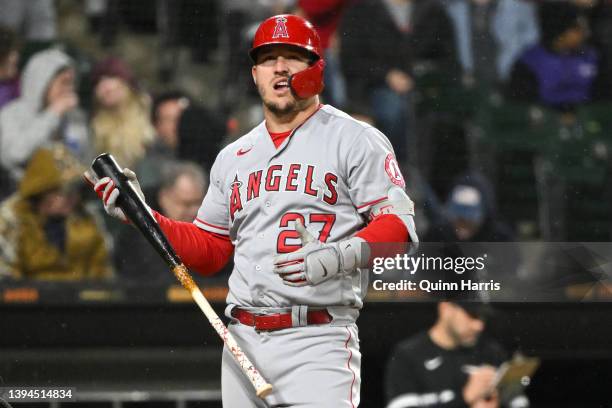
(348, 364)
(211, 225)
(372, 202)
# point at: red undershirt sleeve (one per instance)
(385, 228)
(204, 252)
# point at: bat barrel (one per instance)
(134, 207)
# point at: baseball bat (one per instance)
(137, 211)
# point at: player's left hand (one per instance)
(316, 261)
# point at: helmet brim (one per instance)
(254, 52)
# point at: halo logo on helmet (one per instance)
(281, 29)
(295, 31)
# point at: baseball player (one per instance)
(297, 200)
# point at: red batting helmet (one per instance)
(296, 31)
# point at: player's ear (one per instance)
(253, 69)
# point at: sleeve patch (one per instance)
(393, 170)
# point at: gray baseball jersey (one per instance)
(328, 172)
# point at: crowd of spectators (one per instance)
(423, 71)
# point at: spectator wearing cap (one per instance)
(47, 111)
(449, 365)
(471, 227)
(45, 231)
(120, 120)
(470, 214)
(561, 71)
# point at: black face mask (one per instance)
(55, 231)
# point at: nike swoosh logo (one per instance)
(241, 152)
(324, 268)
(433, 363)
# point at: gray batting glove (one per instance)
(109, 193)
(317, 262)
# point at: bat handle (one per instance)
(134, 207)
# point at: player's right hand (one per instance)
(107, 191)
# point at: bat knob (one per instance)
(264, 391)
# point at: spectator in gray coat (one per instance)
(46, 111)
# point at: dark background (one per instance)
(128, 346)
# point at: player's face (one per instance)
(271, 72)
(463, 327)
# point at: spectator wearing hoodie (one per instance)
(45, 232)
(121, 116)
(560, 71)
(46, 111)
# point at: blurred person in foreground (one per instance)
(121, 119)
(449, 365)
(45, 232)
(562, 70)
(178, 196)
(47, 111)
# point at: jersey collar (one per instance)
(274, 151)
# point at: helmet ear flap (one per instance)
(309, 82)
